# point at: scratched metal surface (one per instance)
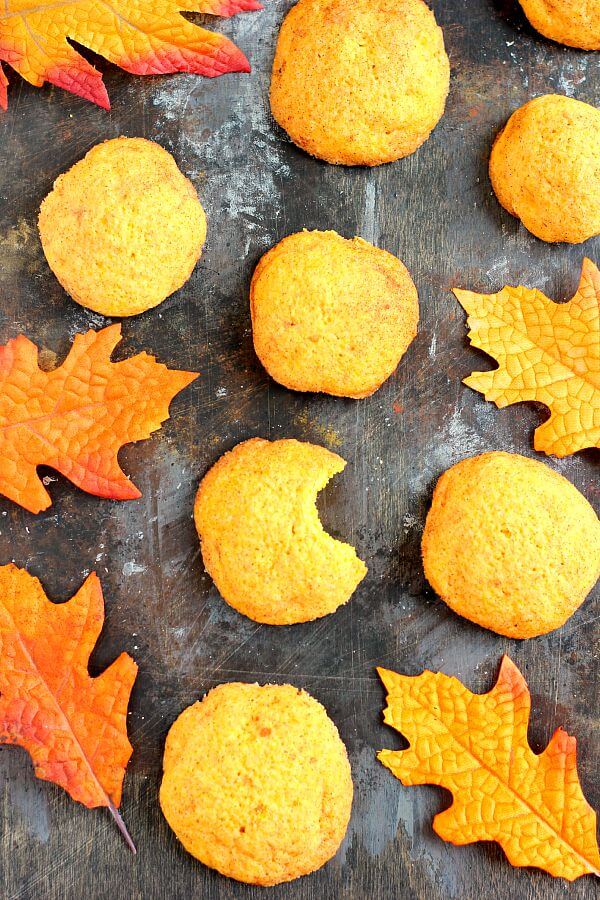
(436, 211)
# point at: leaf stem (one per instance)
(121, 826)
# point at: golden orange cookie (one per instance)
(510, 544)
(257, 782)
(123, 228)
(331, 315)
(262, 542)
(359, 82)
(545, 168)
(572, 22)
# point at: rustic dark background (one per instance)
(437, 212)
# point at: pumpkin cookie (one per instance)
(123, 228)
(262, 542)
(572, 22)
(257, 782)
(331, 315)
(545, 168)
(510, 544)
(359, 82)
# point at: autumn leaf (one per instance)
(73, 726)
(475, 745)
(3, 89)
(144, 37)
(77, 417)
(549, 352)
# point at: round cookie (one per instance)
(123, 228)
(545, 168)
(359, 82)
(572, 22)
(504, 544)
(262, 542)
(330, 314)
(257, 782)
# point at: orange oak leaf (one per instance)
(76, 417)
(74, 727)
(3, 89)
(475, 745)
(546, 351)
(144, 37)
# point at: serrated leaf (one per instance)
(546, 351)
(144, 37)
(476, 746)
(74, 727)
(77, 417)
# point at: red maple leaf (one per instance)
(144, 37)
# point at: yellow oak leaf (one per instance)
(475, 745)
(546, 351)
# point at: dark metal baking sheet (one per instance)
(437, 212)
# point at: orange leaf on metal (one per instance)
(475, 745)
(77, 417)
(546, 351)
(144, 37)
(73, 726)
